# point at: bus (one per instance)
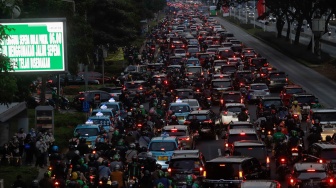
(212, 10)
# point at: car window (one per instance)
(180, 109)
(228, 68)
(328, 154)
(325, 116)
(258, 152)
(175, 132)
(132, 85)
(87, 131)
(184, 93)
(194, 69)
(305, 99)
(198, 117)
(187, 164)
(268, 103)
(111, 105)
(309, 175)
(234, 97)
(220, 63)
(162, 146)
(221, 84)
(219, 170)
(238, 126)
(277, 75)
(192, 103)
(294, 90)
(234, 109)
(239, 137)
(259, 87)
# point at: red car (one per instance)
(288, 91)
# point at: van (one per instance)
(327, 118)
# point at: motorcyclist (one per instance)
(134, 168)
(146, 180)
(294, 139)
(173, 120)
(156, 173)
(317, 104)
(159, 111)
(129, 120)
(118, 175)
(131, 152)
(122, 148)
(283, 113)
(144, 139)
(162, 182)
(116, 161)
(103, 170)
(296, 109)
(243, 116)
(278, 138)
(136, 99)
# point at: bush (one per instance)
(9, 173)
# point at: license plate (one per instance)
(306, 107)
(295, 154)
(162, 158)
(181, 118)
(88, 143)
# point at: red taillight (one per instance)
(208, 121)
(221, 101)
(268, 161)
(56, 183)
(169, 169)
(282, 160)
(141, 88)
(291, 181)
(242, 134)
(198, 90)
(201, 169)
(331, 180)
(225, 112)
(320, 161)
(139, 125)
(91, 177)
(81, 98)
(173, 130)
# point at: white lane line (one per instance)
(219, 152)
(216, 137)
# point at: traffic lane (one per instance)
(311, 80)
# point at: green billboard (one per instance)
(35, 45)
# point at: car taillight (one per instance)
(204, 173)
(198, 90)
(221, 101)
(201, 169)
(226, 145)
(209, 98)
(81, 98)
(139, 125)
(282, 160)
(169, 170)
(291, 181)
(240, 174)
(141, 88)
(331, 180)
(208, 121)
(320, 161)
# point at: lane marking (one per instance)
(216, 137)
(219, 152)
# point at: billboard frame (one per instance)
(43, 20)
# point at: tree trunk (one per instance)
(298, 31)
(288, 27)
(279, 25)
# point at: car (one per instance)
(100, 119)
(193, 103)
(95, 76)
(265, 104)
(206, 122)
(230, 171)
(105, 111)
(88, 131)
(113, 91)
(257, 62)
(180, 109)
(159, 77)
(224, 53)
(327, 119)
(184, 163)
(219, 86)
(217, 65)
(240, 125)
(325, 152)
(230, 112)
(306, 102)
(229, 69)
(193, 62)
(253, 148)
(260, 184)
(276, 80)
(116, 106)
(93, 97)
(135, 68)
(256, 91)
(242, 79)
(183, 133)
(234, 135)
(155, 67)
(184, 93)
(162, 149)
(231, 97)
(311, 175)
(221, 76)
(179, 52)
(202, 57)
(174, 60)
(137, 86)
(193, 72)
(234, 61)
(288, 91)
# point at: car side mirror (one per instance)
(167, 162)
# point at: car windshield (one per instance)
(104, 122)
(175, 61)
(226, 53)
(311, 175)
(328, 154)
(244, 75)
(259, 87)
(238, 126)
(192, 103)
(268, 103)
(162, 146)
(115, 91)
(176, 132)
(194, 69)
(180, 51)
(180, 108)
(186, 164)
(228, 68)
(221, 84)
(198, 117)
(232, 97)
(305, 99)
(130, 68)
(193, 50)
(220, 63)
(83, 132)
(294, 90)
(193, 62)
(234, 109)
(240, 137)
(132, 85)
(111, 105)
(259, 153)
(226, 171)
(325, 116)
(278, 75)
(258, 62)
(183, 93)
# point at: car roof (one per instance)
(221, 80)
(292, 86)
(242, 130)
(187, 100)
(93, 126)
(234, 104)
(243, 143)
(240, 123)
(307, 166)
(178, 154)
(230, 159)
(163, 138)
(326, 145)
(136, 81)
(232, 92)
(258, 84)
(303, 95)
(259, 184)
(184, 90)
(180, 127)
(326, 110)
(199, 112)
(271, 98)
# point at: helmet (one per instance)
(132, 145)
(116, 132)
(74, 175)
(279, 129)
(328, 138)
(77, 152)
(91, 157)
(160, 185)
(170, 112)
(149, 154)
(161, 173)
(159, 82)
(135, 158)
(158, 166)
(105, 163)
(173, 117)
(189, 178)
(117, 167)
(147, 173)
(129, 113)
(54, 149)
(141, 106)
(294, 133)
(151, 111)
(295, 102)
(120, 142)
(166, 174)
(116, 157)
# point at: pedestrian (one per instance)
(40, 152)
(29, 149)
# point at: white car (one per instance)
(231, 111)
(257, 91)
(193, 103)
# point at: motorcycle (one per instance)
(132, 183)
(282, 167)
(63, 103)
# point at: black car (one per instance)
(242, 78)
(93, 97)
(276, 80)
(218, 86)
(325, 152)
(204, 122)
(230, 171)
(265, 104)
(231, 97)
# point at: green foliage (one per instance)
(9, 173)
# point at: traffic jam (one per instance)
(196, 86)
